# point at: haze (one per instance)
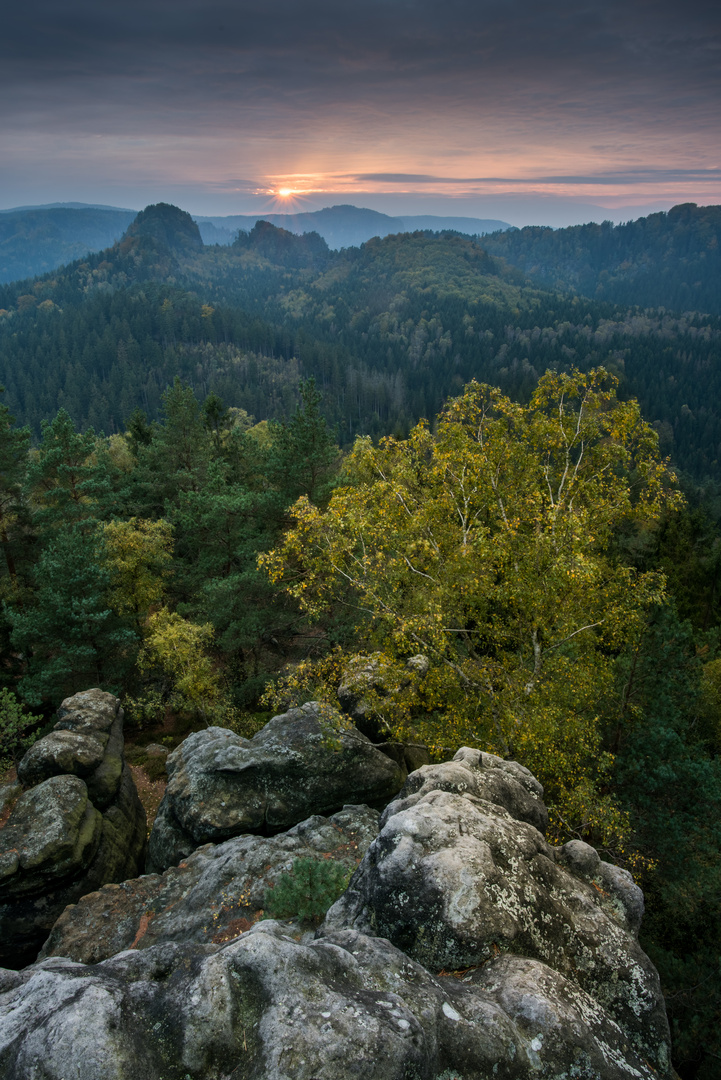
(530, 112)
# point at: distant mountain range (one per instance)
(37, 239)
(343, 226)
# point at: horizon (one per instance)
(527, 114)
(554, 216)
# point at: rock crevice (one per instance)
(78, 825)
(465, 946)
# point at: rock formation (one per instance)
(265, 1007)
(79, 825)
(460, 873)
(465, 948)
(306, 761)
(213, 896)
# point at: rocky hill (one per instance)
(464, 946)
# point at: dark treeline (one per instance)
(388, 331)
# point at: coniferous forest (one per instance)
(230, 474)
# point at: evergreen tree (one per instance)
(172, 456)
(70, 637)
(670, 784)
(305, 454)
(14, 443)
(68, 476)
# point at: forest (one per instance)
(229, 475)
(664, 260)
(388, 331)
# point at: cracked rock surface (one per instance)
(213, 896)
(79, 825)
(460, 873)
(264, 1007)
(306, 761)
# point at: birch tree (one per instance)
(484, 545)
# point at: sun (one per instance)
(285, 192)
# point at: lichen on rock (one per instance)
(343, 1007)
(306, 761)
(79, 825)
(460, 873)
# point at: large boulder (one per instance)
(265, 1007)
(307, 761)
(460, 873)
(213, 896)
(79, 825)
(52, 834)
(87, 741)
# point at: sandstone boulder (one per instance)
(265, 1007)
(460, 873)
(213, 896)
(53, 833)
(72, 831)
(87, 741)
(306, 761)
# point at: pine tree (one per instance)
(14, 444)
(70, 637)
(305, 454)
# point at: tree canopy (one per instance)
(484, 546)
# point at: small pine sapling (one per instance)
(307, 890)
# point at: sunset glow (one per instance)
(475, 109)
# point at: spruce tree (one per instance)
(305, 454)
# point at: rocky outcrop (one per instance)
(213, 896)
(307, 761)
(461, 874)
(87, 741)
(464, 947)
(79, 825)
(266, 1007)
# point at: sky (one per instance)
(532, 111)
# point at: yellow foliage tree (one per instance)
(484, 546)
(179, 648)
(139, 553)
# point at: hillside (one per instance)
(388, 330)
(668, 260)
(35, 240)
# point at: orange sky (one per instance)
(405, 105)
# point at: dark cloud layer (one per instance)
(332, 51)
(448, 78)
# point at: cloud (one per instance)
(642, 175)
(391, 92)
(581, 54)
